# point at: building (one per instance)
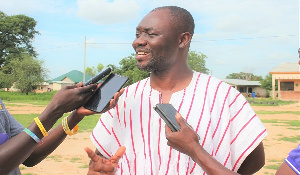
(247, 88)
(288, 77)
(67, 79)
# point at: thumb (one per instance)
(118, 155)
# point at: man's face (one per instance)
(155, 42)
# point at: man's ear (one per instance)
(184, 39)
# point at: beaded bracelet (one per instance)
(40, 125)
(67, 129)
(33, 136)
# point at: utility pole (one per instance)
(84, 59)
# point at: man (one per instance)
(228, 128)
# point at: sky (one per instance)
(252, 36)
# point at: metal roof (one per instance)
(287, 67)
(239, 82)
(74, 75)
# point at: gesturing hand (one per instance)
(100, 165)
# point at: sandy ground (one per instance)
(70, 158)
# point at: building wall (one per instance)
(290, 95)
(286, 77)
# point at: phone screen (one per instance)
(106, 92)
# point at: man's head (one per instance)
(161, 37)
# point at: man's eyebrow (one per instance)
(145, 29)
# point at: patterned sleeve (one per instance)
(101, 135)
(247, 130)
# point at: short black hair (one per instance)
(182, 19)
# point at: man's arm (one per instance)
(254, 162)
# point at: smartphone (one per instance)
(167, 112)
(105, 71)
(101, 99)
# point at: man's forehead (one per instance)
(155, 20)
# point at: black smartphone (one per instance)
(100, 100)
(105, 71)
(167, 112)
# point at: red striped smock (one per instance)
(227, 125)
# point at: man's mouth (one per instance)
(142, 53)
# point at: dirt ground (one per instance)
(70, 158)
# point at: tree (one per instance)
(16, 35)
(196, 61)
(92, 71)
(27, 73)
(244, 76)
(128, 68)
(267, 83)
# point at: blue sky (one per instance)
(251, 36)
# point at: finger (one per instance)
(94, 157)
(79, 84)
(121, 91)
(118, 155)
(88, 89)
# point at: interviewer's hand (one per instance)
(101, 165)
(185, 140)
(69, 98)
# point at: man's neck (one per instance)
(170, 81)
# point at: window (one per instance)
(287, 86)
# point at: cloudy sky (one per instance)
(237, 36)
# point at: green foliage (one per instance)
(266, 83)
(92, 71)
(196, 62)
(128, 68)
(27, 73)
(16, 35)
(244, 76)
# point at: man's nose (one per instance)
(140, 41)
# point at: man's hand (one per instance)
(100, 165)
(183, 140)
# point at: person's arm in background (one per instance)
(16, 150)
(186, 141)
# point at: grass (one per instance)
(278, 112)
(293, 124)
(87, 124)
(31, 98)
(262, 101)
(75, 159)
(293, 139)
(274, 166)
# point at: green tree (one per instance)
(266, 83)
(27, 73)
(92, 71)
(16, 35)
(196, 62)
(128, 68)
(244, 76)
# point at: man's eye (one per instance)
(152, 34)
(137, 35)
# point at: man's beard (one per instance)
(156, 64)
